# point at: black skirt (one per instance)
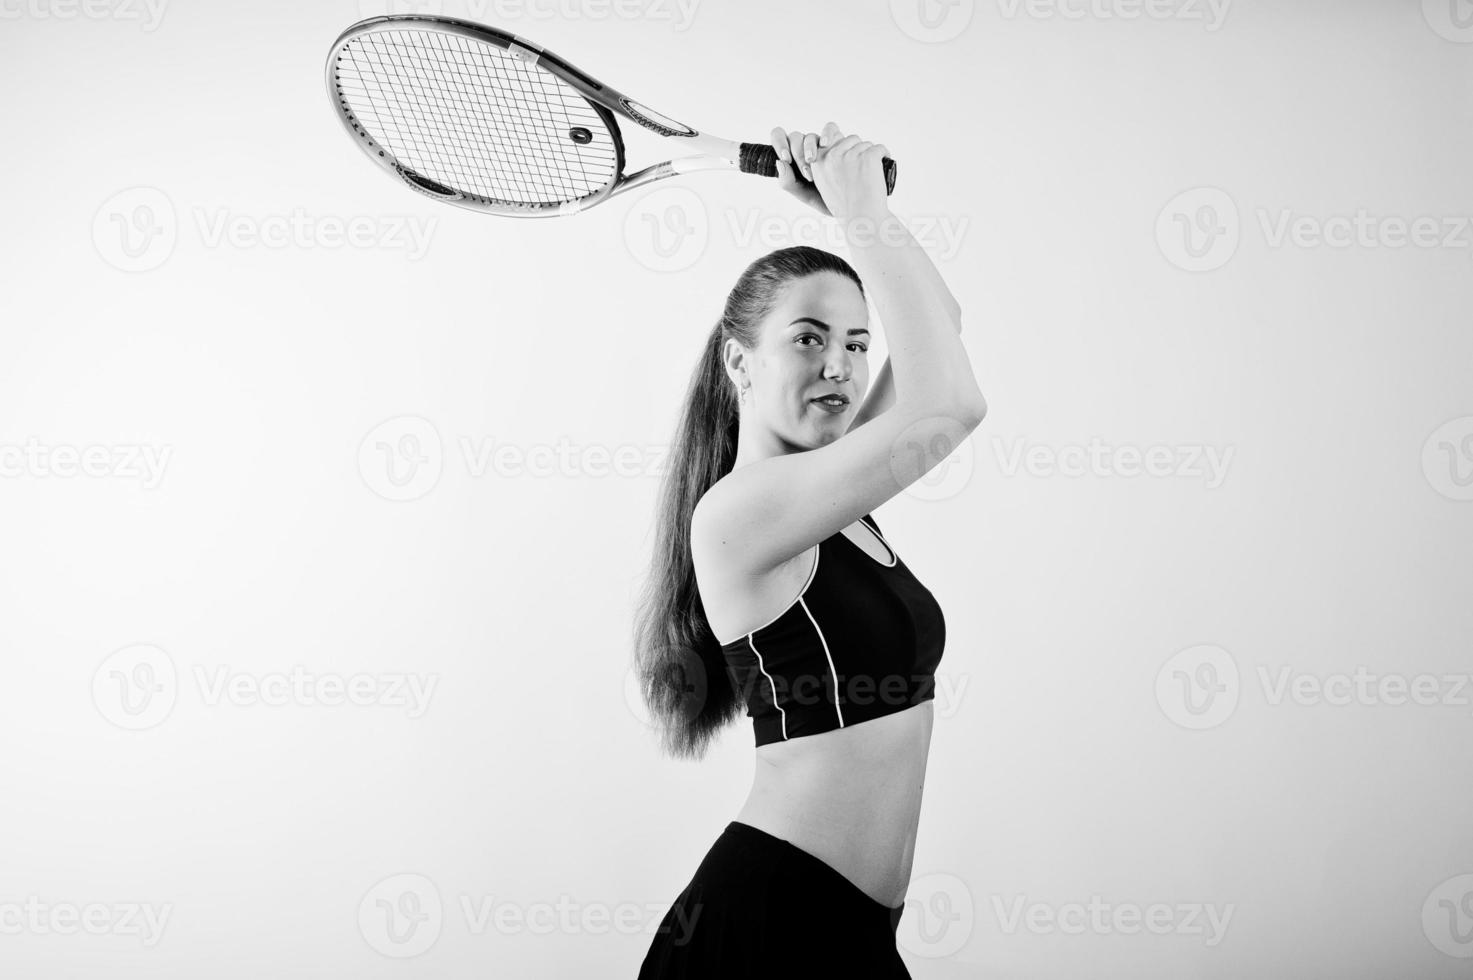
(760, 906)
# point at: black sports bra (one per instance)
(862, 640)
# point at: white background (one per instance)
(151, 156)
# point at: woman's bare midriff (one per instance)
(850, 797)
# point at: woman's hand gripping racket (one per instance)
(850, 168)
(489, 121)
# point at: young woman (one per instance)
(774, 589)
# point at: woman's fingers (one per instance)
(800, 150)
(795, 150)
(846, 167)
(780, 142)
(784, 162)
(844, 144)
(789, 147)
(828, 140)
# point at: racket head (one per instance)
(472, 116)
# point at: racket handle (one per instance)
(761, 159)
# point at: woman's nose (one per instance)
(837, 367)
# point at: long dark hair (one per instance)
(684, 678)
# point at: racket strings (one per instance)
(469, 115)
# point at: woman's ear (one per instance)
(735, 361)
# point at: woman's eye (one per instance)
(813, 336)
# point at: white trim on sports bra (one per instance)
(817, 551)
(894, 558)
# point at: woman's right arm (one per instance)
(764, 513)
(927, 358)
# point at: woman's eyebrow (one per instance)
(825, 327)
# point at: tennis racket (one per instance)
(486, 120)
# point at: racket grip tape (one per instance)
(761, 159)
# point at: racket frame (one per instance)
(713, 152)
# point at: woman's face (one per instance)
(814, 342)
